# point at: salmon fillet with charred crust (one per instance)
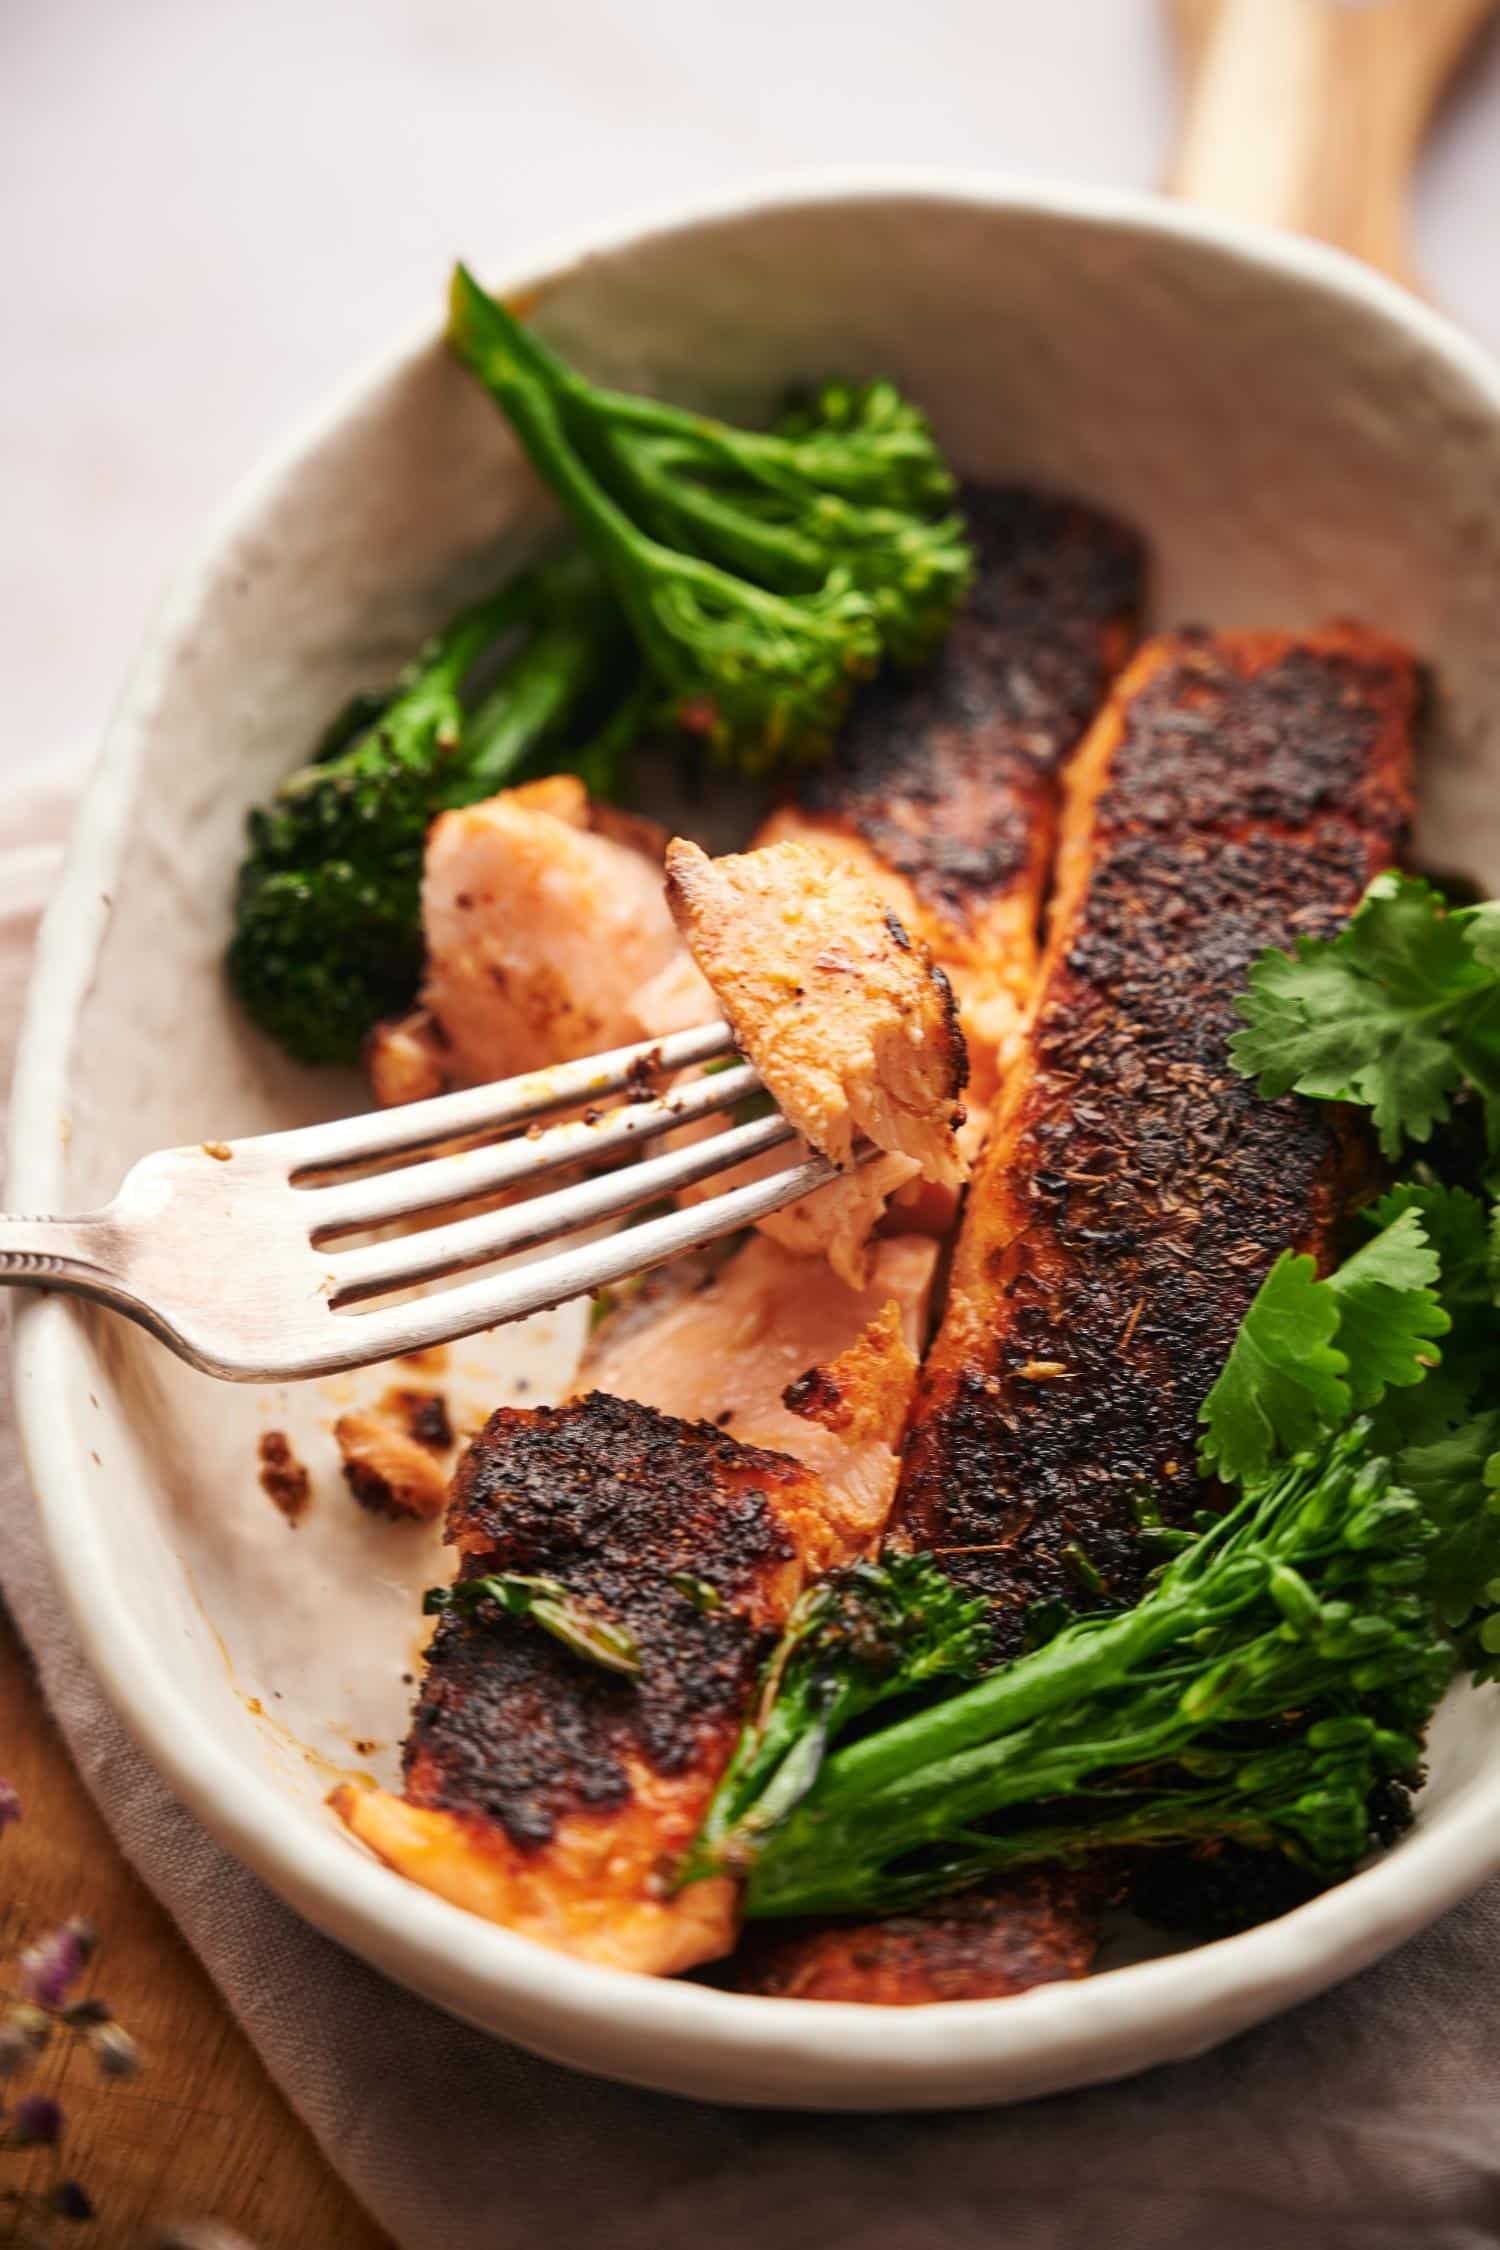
(942, 788)
(547, 1793)
(981, 1945)
(846, 1017)
(542, 1790)
(1239, 792)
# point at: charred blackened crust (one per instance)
(1137, 1190)
(616, 1502)
(956, 1047)
(1040, 1927)
(945, 774)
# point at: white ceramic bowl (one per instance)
(1297, 439)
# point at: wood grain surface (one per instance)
(201, 2134)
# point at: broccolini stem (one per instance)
(497, 349)
(822, 1883)
(637, 564)
(446, 661)
(769, 552)
(578, 644)
(779, 463)
(1090, 1657)
(598, 762)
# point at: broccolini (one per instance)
(1284, 1660)
(327, 927)
(763, 573)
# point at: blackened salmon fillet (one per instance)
(1239, 792)
(945, 791)
(541, 1789)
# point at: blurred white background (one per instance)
(210, 210)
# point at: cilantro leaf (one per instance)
(1482, 929)
(1389, 1315)
(1283, 1382)
(1461, 1232)
(1310, 1353)
(1457, 1481)
(1393, 1013)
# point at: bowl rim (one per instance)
(677, 2036)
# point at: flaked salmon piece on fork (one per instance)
(847, 1018)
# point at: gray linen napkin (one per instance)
(1369, 2120)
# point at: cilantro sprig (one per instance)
(1311, 1353)
(1396, 1013)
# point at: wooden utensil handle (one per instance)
(1310, 114)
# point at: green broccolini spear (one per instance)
(763, 573)
(327, 930)
(1283, 1660)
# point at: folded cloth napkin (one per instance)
(1369, 2120)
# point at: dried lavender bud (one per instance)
(56, 1961)
(115, 2051)
(36, 2122)
(10, 1804)
(71, 2201)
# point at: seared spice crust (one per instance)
(950, 782)
(1038, 1928)
(945, 774)
(1241, 791)
(613, 1500)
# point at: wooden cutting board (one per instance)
(202, 2133)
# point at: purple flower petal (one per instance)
(48, 1968)
(10, 1804)
(36, 2122)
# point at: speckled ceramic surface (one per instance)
(1297, 440)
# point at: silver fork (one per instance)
(230, 1251)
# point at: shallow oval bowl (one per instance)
(1297, 438)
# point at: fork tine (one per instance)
(534, 1287)
(379, 1267)
(350, 1206)
(487, 1109)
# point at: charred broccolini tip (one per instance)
(764, 573)
(327, 927)
(1284, 1660)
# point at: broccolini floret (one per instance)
(327, 929)
(1283, 1662)
(764, 573)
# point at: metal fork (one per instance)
(230, 1251)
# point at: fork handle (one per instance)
(81, 1255)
